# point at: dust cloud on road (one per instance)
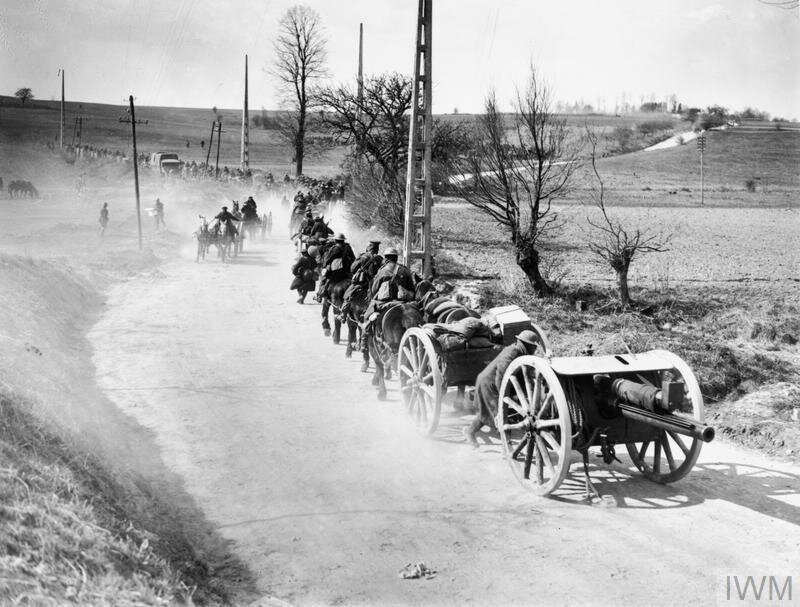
(326, 493)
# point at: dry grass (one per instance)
(60, 540)
(739, 344)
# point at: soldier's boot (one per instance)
(471, 432)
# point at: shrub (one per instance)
(750, 185)
(649, 127)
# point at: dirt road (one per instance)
(326, 492)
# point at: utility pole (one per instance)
(360, 64)
(359, 101)
(701, 145)
(61, 139)
(245, 125)
(219, 136)
(134, 122)
(417, 241)
(210, 143)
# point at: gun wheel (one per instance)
(670, 456)
(534, 424)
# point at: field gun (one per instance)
(649, 402)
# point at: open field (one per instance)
(671, 177)
(167, 129)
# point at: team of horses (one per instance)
(21, 189)
(230, 242)
(383, 342)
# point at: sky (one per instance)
(734, 53)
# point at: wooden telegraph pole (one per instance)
(701, 145)
(210, 143)
(245, 125)
(61, 140)
(219, 136)
(417, 241)
(134, 122)
(360, 64)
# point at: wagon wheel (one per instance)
(535, 425)
(544, 345)
(671, 456)
(420, 379)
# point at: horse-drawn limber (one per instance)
(450, 354)
(550, 407)
(649, 402)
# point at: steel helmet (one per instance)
(312, 250)
(528, 337)
(339, 236)
(390, 251)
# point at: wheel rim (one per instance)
(534, 424)
(420, 379)
(670, 456)
(544, 345)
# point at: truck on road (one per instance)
(165, 162)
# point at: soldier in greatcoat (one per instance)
(487, 385)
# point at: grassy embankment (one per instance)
(724, 297)
(89, 513)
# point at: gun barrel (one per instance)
(674, 422)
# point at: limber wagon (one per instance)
(648, 402)
(427, 370)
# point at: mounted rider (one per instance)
(393, 282)
(227, 218)
(249, 210)
(305, 272)
(363, 269)
(336, 264)
(307, 223)
(320, 229)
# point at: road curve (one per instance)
(326, 493)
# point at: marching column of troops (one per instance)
(386, 281)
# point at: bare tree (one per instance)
(23, 94)
(300, 56)
(612, 241)
(375, 124)
(516, 170)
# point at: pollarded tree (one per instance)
(614, 243)
(517, 168)
(300, 56)
(23, 94)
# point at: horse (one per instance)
(396, 317)
(224, 238)
(359, 300)
(333, 295)
(204, 239)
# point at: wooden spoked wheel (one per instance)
(670, 456)
(420, 379)
(534, 424)
(544, 346)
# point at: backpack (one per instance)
(390, 290)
